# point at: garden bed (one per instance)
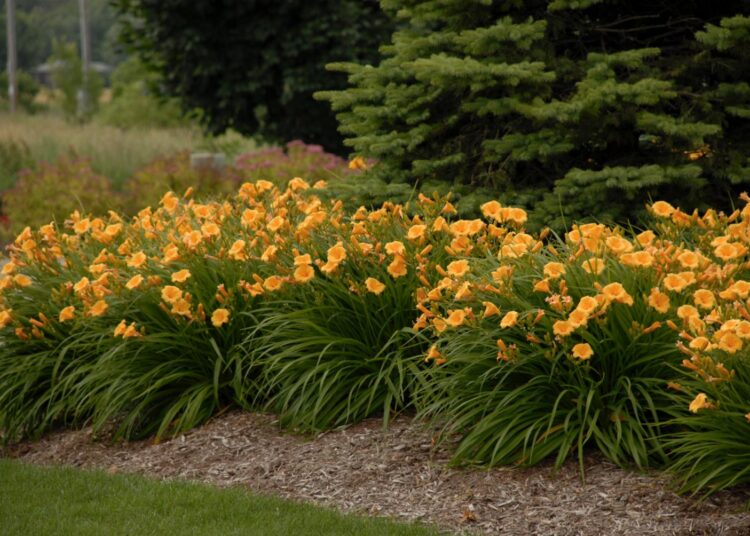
(397, 473)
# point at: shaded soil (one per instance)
(397, 473)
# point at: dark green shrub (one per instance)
(576, 109)
(253, 66)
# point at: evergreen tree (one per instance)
(574, 108)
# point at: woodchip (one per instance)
(397, 473)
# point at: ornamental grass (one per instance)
(522, 347)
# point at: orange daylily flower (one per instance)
(618, 245)
(220, 317)
(181, 276)
(304, 273)
(638, 259)
(685, 312)
(131, 331)
(395, 248)
(704, 299)
(67, 313)
(700, 402)
(337, 253)
(182, 307)
(171, 253)
(509, 320)
(516, 215)
(210, 230)
(492, 209)
(9, 268)
(297, 183)
(675, 282)
(137, 259)
(700, 343)
(490, 309)
(553, 270)
(562, 328)
(689, 259)
(22, 280)
(658, 300)
(501, 274)
(357, 163)
(578, 318)
(81, 226)
(269, 254)
(81, 285)
(542, 286)
(273, 283)
(662, 209)
(171, 294)
(251, 217)
(237, 251)
(397, 268)
(458, 268)
(455, 318)
(593, 265)
(616, 292)
(582, 351)
(416, 232)
(432, 353)
(587, 304)
(5, 318)
(645, 238)
(98, 309)
(729, 251)
(192, 239)
(120, 328)
(276, 223)
(374, 286)
(169, 201)
(300, 260)
(134, 282)
(263, 186)
(730, 343)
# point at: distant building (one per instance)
(43, 73)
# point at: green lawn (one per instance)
(39, 501)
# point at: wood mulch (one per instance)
(397, 473)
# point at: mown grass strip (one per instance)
(40, 500)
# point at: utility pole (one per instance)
(12, 55)
(83, 96)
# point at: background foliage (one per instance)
(70, 80)
(51, 191)
(253, 66)
(27, 90)
(39, 21)
(135, 101)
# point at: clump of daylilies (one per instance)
(627, 329)
(281, 239)
(602, 336)
(695, 272)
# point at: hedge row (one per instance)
(525, 346)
